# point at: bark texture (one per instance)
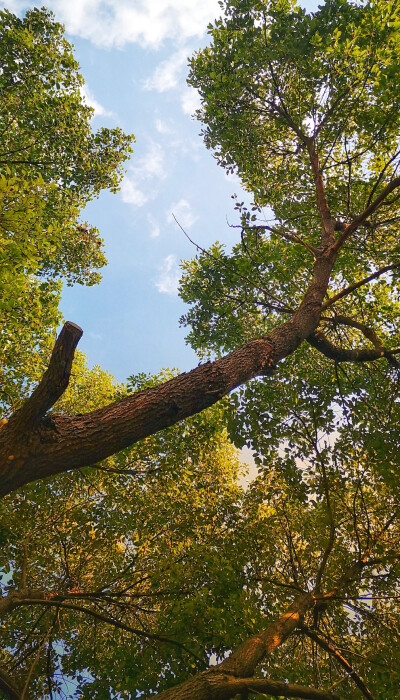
(222, 687)
(35, 444)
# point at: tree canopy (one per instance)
(133, 560)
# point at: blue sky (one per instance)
(133, 56)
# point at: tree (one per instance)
(305, 108)
(368, 173)
(51, 165)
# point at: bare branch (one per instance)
(9, 686)
(361, 218)
(59, 603)
(312, 634)
(289, 237)
(356, 285)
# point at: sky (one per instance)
(133, 56)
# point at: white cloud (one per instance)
(99, 110)
(154, 226)
(118, 22)
(166, 75)
(190, 101)
(152, 164)
(131, 194)
(183, 214)
(146, 172)
(162, 127)
(169, 275)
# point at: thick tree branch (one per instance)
(222, 687)
(242, 663)
(216, 682)
(31, 449)
(321, 343)
(248, 655)
(54, 381)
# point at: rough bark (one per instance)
(223, 686)
(53, 383)
(34, 445)
(248, 655)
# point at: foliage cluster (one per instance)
(51, 164)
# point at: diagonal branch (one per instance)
(321, 343)
(289, 237)
(219, 681)
(244, 660)
(356, 285)
(31, 449)
(59, 603)
(361, 218)
(9, 686)
(312, 634)
(248, 655)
